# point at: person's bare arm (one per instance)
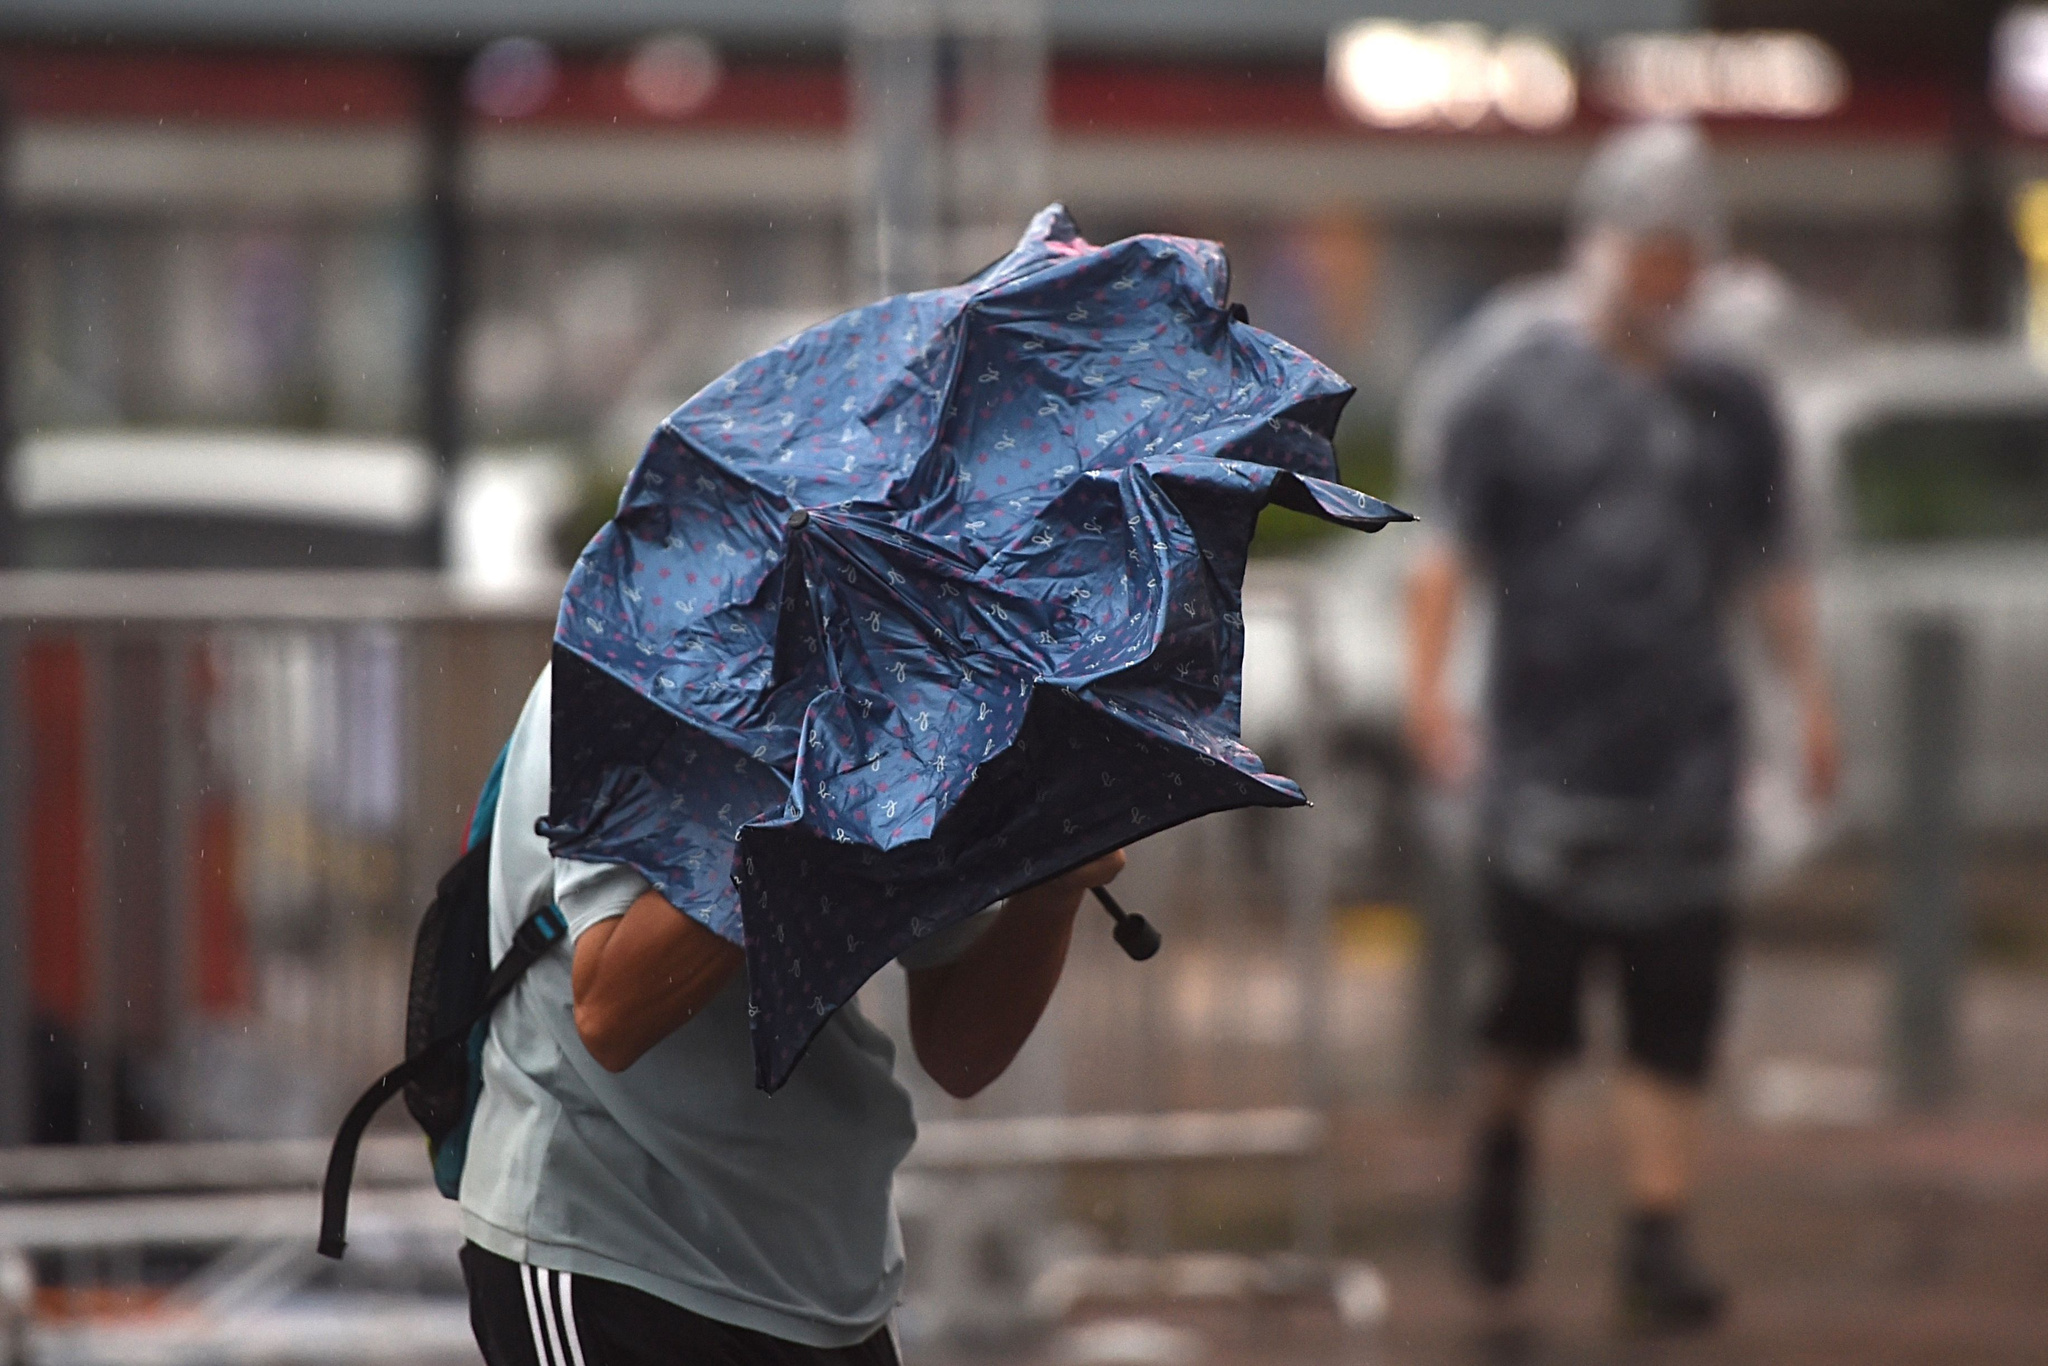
(639, 977)
(1438, 735)
(969, 1017)
(1792, 635)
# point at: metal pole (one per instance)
(98, 1098)
(996, 160)
(10, 229)
(1927, 929)
(444, 192)
(1981, 255)
(17, 1091)
(178, 827)
(893, 62)
(1139, 1017)
(1147, 1189)
(1308, 883)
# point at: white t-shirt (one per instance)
(676, 1176)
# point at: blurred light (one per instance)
(2030, 228)
(511, 78)
(671, 76)
(1533, 86)
(1395, 75)
(1778, 75)
(2019, 68)
(1387, 74)
(502, 511)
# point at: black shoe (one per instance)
(1662, 1289)
(1496, 1220)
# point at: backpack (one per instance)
(447, 1018)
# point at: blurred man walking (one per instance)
(1617, 493)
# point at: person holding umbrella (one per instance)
(902, 631)
(708, 1220)
(1617, 493)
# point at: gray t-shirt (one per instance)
(676, 1176)
(1613, 513)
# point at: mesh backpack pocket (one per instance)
(447, 1017)
(451, 970)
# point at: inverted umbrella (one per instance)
(932, 602)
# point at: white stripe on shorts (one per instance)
(547, 1315)
(569, 1329)
(540, 1347)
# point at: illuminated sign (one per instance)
(2019, 68)
(673, 75)
(1459, 76)
(511, 78)
(1772, 75)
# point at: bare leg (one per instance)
(1662, 1288)
(1659, 1122)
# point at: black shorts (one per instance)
(1671, 976)
(527, 1316)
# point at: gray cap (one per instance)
(1653, 178)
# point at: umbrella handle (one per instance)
(1134, 934)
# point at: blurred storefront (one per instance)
(233, 236)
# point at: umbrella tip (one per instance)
(1136, 937)
(797, 521)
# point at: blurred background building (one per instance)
(221, 220)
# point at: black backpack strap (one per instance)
(542, 931)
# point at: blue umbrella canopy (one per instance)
(932, 602)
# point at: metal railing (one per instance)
(225, 798)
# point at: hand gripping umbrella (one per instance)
(932, 602)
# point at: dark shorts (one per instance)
(526, 1316)
(1671, 976)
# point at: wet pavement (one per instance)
(1921, 1242)
(1850, 1232)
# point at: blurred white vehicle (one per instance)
(1923, 472)
(1926, 467)
(123, 498)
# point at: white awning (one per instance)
(360, 481)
